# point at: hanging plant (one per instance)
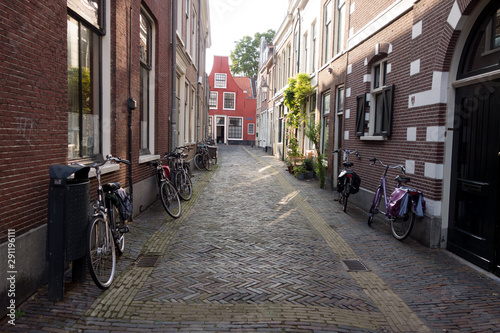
(295, 98)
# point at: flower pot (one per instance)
(300, 176)
(310, 174)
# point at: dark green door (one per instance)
(474, 209)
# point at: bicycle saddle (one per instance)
(401, 179)
(348, 164)
(111, 187)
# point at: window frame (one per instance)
(229, 125)
(327, 25)
(340, 15)
(251, 132)
(210, 99)
(95, 32)
(218, 83)
(224, 101)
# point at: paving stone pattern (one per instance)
(257, 250)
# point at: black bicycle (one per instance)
(168, 193)
(107, 227)
(348, 181)
(181, 172)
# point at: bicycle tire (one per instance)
(344, 195)
(207, 161)
(170, 199)
(116, 222)
(401, 226)
(198, 161)
(375, 203)
(101, 256)
(184, 186)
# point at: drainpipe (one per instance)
(198, 86)
(131, 105)
(173, 114)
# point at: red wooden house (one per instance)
(232, 105)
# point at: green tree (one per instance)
(245, 56)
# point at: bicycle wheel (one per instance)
(184, 186)
(198, 161)
(345, 194)
(401, 226)
(119, 229)
(101, 257)
(207, 161)
(374, 208)
(170, 199)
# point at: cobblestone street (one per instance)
(257, 250)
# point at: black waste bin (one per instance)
(68, 216)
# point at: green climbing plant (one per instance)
(313, 132)
(295, 98)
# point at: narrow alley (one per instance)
(257, 250)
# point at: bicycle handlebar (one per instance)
(108, 158)
(375, 160)
(338, 151)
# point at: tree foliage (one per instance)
(245, 56)
(296, 94)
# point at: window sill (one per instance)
(148, 158)
(373, 138)
(107, 168)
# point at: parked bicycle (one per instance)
(181, 172)
(107, 227)
(348, 181)
(168, 193)
(202, 159)
(401, 207)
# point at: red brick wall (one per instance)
(33, 108)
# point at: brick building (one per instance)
(232, 105)
(68, 70)
(412, 82)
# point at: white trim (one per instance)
(435, 134)
(437, 94)
(398, 8)
(433, 170)
(454, 17)
(224, 100)
(415, 67)
(106, 85)
(411, 134)
(410, 166)
(416, 30)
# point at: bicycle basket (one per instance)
(356, 182)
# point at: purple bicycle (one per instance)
(402, 205)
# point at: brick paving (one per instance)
(257, 250)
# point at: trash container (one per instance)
(212, 151)
(68, 215)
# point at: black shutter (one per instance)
(388, 98)
(360, 115)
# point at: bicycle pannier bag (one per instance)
(125, 206)
(356, 182)
(396, 200)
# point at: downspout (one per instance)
(131, 105)
(173, 114)
(198, 85)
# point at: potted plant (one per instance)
(289, 164)
(309, 164)
(300, 171)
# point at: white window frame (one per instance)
(224, 101)
(220, 80)
(340, 11)
(228, 124)
(251, 129)
(327, 31)
(376, 89)
(216, 100)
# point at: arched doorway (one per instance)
(474, 215)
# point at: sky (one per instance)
(231, 20)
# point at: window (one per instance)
(251, 129)
(296, 55)
(84, 81)
(381, 105)
(340, 26)
(325, 111)
(212, 102)
(313, 47)
(229, 98)
(339, 110)
(220, 80)
(194, 39)
(327, 14)
(146, 31)
(306, 52)
(235, 131)
(210, 126)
